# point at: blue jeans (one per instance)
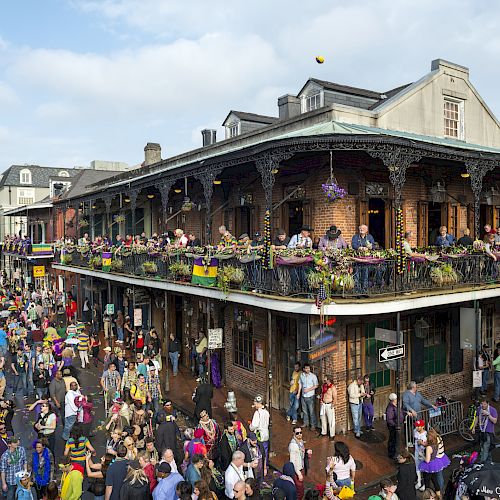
(293, 407)
(20, 379)
(485, 440)
(308, 411)
(497, 385)
(119, 333)
(486, 378)
(356, 410)
(29, 381)
(10, 494)
(174, 359)
(69, 421)
(344, 482)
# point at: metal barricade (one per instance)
(445, 420)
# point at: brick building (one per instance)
(428, 152)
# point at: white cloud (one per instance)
(8, 96)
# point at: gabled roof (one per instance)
(86, 178)
(251, 117)
(40, 176)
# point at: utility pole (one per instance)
(167, 341)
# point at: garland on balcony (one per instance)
(401, 257)
(267, 240)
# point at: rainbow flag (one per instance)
(204, 274)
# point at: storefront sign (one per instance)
(477, 379)
(138, 317)
(110, 309)
(322, 331)
(215, 338)
(322, 352)
(38, 271)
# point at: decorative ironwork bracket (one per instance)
(397, 160)
(477, 169)
(267, 166)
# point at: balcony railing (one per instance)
(26, 249)
(302, 277)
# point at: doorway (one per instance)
(286, 329)
(295, 217)
(485, 217)
(434, 217)
(376, 220)
(243, 221)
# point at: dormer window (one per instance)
(25, 176)
(234, 130)
(63, 173)
(454, 119)
(313, 102)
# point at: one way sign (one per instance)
(391, 352)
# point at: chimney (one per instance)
(152, 153)
(209, 136)
(289, 106)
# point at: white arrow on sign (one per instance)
(391, 352)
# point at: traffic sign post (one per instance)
(392, 352)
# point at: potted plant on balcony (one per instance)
(180, 270)
(117, 265)
(95, 262)
(150, 267)
(83, 223)
(443, 275)
(227, 275)
(66, 258)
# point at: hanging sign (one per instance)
(477, 379)
(138, 317)
(215, 338)
(38, 271)
(110, 309)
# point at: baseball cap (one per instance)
(164, 467)
(252, 436)
(419, 423)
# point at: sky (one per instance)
(84, 80)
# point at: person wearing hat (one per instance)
(260, 424)
(420, 440)
(244, 241)
(167, 482)
(257, 242)
(332, 239)
(281, 240)
(391, 419)
(255, 464)
(12, 462)
(303, 239)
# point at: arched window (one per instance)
(63, 173)
(25, 176)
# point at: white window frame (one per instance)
(25, 177)
(460, 122)
(25, 196)
(319, 100)
(63, 173)
(233, 130)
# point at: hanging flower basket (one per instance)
(333, 191)
(84, 223)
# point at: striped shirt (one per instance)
(77, 449)
(83, 341)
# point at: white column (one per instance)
(42, 224)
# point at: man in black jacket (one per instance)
(203, 399)
(228, 445)
(255, 457)
(166, 434)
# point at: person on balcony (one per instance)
(407, 247)
(497, 236)
(465, 240)
(444, 239)
(303, 239)
(332, 239)
(193, 241)
(257, 243)
(227, 240)
(281, 241)
(244, 242)
(362, 239)
(181, 240)
(489, 246)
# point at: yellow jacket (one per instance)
(72, 486)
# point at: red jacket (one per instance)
(150, 472)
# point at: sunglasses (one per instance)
(298, 433)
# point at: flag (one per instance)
(106, 261)
(321, 297)
(204, 273)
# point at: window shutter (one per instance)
(362, 211)
(422, 224)
(456, 354)
(417, 359)
(308, 212)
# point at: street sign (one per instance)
(391, 352)
(390, 336)
(38, 271)
(110, 309)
